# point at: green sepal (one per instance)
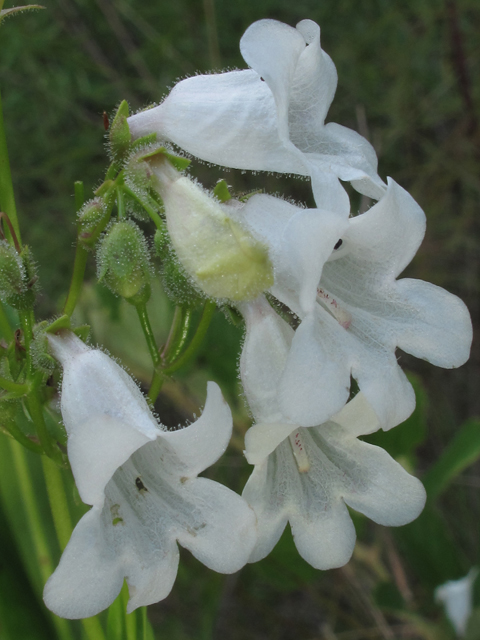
(83, 331)
(105, 187)
(161, 242)
(178, 162)
(60, 323)
(144, 141)
(176, 283)
(247, 196)
(221, 191)
(7, 13)
(120, 137)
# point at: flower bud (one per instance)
(221, 256)
(123, 263)
(17, 277)
(91, 221)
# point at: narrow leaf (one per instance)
(463, 451)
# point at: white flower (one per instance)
(353, 310)
(270, 117)
(457, 598)
(141, 481)
(307, 476)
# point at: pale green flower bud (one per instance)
(222, 257)
(123, 262)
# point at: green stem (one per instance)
(7, 198)
(156, 219)
(156, 385)
(148, 333)
(197, 339)
(28, 500)
(174, 330)
(79, 195)
(81, 255)
(176, 345)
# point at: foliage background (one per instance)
(408, 80)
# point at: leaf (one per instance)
(431, 551)
(6, 13)
(463, 451)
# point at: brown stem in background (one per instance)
(3, 216)
(459, 63)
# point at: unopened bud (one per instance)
(123, 262)
(221, 256)
(91, 221)
(17, 277)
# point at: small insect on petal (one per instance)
(139, 484)
(106, 121)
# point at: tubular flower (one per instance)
(141, 481)
(307, 476)
(353, 310)
(270, 117)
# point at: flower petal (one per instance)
(272, 49)
(264, 494)
(377, 485)
(388, 235)
(263, 357)
(316, 382)
(313, 87)
(384, 385)
(327, 190)
(263, 438)
(324, 539)
(357, 417)
(228, 119)
(225, 541)
(432, 324)
(89, 576)
(300, 241)
(200, 444)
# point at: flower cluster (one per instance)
(335, 277)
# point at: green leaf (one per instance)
(473, 626)
(431, 551)
(463, 451)
(6, 13)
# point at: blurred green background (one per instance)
(409, 81)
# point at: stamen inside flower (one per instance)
(342, 316)
(298, 448)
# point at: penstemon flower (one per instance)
(307, 476)
(353, 310)
(270, 117)
(141, 481)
